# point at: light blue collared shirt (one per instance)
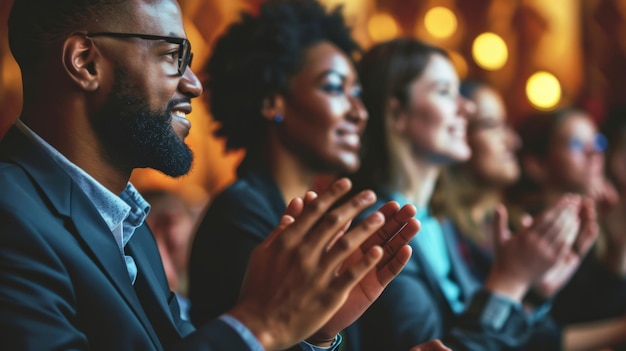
(433, 246)
(125, 213)
(122, 214)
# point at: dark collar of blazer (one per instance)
(262, 189)
(71, 202)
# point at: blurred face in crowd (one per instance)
(435, 119)
(575, 158)
(324, 117)
(492, 141)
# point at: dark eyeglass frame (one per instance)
(184, 46)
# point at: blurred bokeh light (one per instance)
(381, 27)
(490, 51)
(440, 22)
(543, 90)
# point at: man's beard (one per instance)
(135, 136)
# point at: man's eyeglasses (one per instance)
(184, 46)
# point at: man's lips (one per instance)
(181, 110)
(179, 114)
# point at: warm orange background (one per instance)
(582, 42)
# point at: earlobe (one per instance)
(273, 108)
(79, 61)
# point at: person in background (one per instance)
(282, 85)
(417, 126)
(468, 193)
(568, 153)
(562, 152)
(107, 88)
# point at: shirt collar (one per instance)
(113, 209)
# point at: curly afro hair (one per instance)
(256, 57)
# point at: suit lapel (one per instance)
(102, 247)
(71, 202)
(151, 284)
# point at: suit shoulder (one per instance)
(240, 211)
(16, 187)
(240, 197)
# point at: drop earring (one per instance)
(278, 118)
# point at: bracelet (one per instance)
(321, 341)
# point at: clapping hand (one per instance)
(310, 279)
(521, 259)
(556, 277)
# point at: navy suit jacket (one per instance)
(63, 281)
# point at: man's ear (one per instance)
(395, 110)
(273, 108)
(79, 60)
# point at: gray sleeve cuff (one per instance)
(495, 312)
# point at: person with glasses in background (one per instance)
(563, 151)
(107, 89)
(469, 193)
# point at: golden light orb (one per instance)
(543, 90)
(490, 51)
(440, 22)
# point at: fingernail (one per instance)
(374, 252)
(286, 220)
(376, 218)
(342, 184)
(368, 196)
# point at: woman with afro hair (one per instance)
(283, 86)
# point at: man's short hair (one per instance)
(35, 26)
